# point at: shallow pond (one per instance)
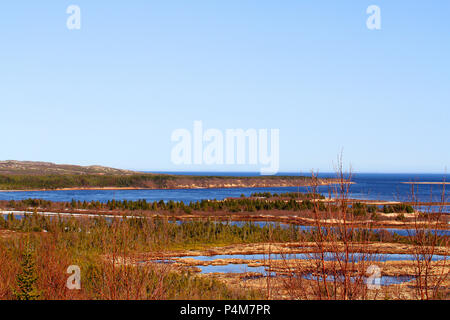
(329, 256)
(401, 232)
(243, 268)
(232, 268)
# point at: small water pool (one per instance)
(329, 256)
(243, 268)
(232, 268)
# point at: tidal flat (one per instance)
(261, 246)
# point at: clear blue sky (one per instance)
(113, 92)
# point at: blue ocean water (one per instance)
(372, 186)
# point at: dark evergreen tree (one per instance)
(27, 278)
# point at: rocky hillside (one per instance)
(27, 175)
(13, 167)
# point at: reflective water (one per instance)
(243, 268)
(232, 268)
(329, 256)
(367, 186)
(401, 232)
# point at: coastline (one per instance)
(184, 187)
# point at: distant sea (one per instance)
(371, 186)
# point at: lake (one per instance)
(386, 187)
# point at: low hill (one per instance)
(13, 167)
(28, 175)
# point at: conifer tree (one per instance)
(27, 278)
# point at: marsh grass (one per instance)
(104, 254)
(429, 279)
(337, 270)
(105, 249)
(332, 272)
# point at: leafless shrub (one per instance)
(337, 267)
(429, 275)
